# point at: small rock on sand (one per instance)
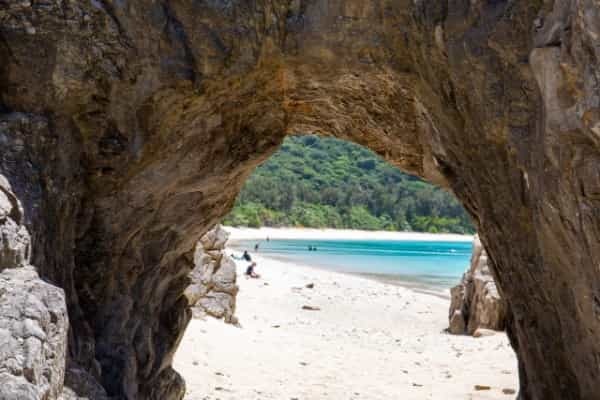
(310, 286)
(481, 332)
(311, 308)
(482, 387)
(509, 391)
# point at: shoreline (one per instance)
(386, 279)
(238, 234)
(282, 350)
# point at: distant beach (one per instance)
(309, 233)
(313, 334)
(425, 262)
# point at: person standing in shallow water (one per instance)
(256, 247)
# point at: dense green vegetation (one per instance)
(324, 182)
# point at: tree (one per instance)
(325, 182)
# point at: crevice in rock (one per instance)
(176, 30)
(110, 11)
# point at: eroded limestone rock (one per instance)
(33, 336)
(213, 280)
(14, 238)
(33, 315)
(80, 385)
(475, 302)
(127, 128)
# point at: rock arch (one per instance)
(128, 127)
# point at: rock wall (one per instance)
(475, 302)
(213, 289)
(127, 128)
(33, 314)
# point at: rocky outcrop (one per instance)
(33, 336)
(213, 289)
(33, 314)
(128, 127)
(475, 301)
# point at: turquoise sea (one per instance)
(427, 264)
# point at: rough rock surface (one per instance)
(475, 301)
(80, 385)
(33, 314)
(128, 127)
(213, 289)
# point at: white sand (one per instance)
(369, 340)
(338, 234)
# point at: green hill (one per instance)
(323, 182)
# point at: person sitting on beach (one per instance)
(250, 273)
(246, 256)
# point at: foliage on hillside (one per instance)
(325, 182)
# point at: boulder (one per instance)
(213, 286)
(33, 316)
(475, 302)
(33, 336)
(458, 324)
(215, 239)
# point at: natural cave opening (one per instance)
(345, 304)
(128, 128)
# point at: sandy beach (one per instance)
(366, 340)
